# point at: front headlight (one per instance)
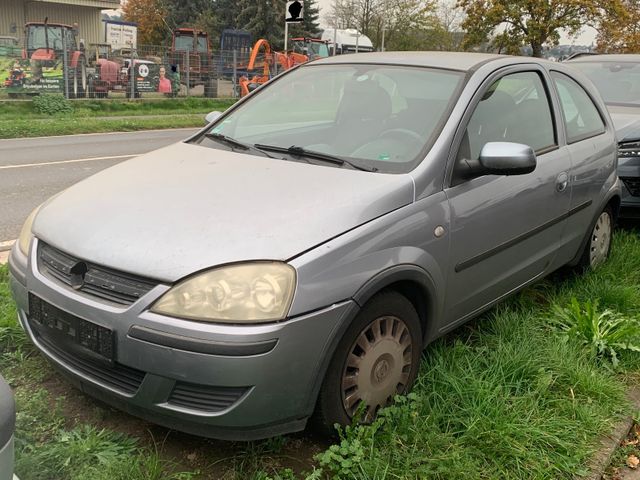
(244, 293)
(25, 234)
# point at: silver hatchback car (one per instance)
(298, 254)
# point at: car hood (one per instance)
(185, 208)
(626, 121)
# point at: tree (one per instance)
(525, 22)
(406, 24)
(450, 35)
(149, 15)
(310, 25)
(265, 19)
(184, 13)
(228, 12)
(619, 28)
(410, 26)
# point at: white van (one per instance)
(347, 41)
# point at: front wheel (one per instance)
(598, 246)
(377, 359)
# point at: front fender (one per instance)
(399, 246)
(75, 58)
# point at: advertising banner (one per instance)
(153, 77)
(121, 34)
(19, 76)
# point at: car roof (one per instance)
(607, 58)
(50, 24)
(462, 61)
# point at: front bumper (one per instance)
(629, 173)
(6, 461)
(260, 380)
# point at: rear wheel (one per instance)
(377, 359)
(598, 246)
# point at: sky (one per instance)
(585, 38)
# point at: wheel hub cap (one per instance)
(381, 370)
(378, 366)
(600, 240)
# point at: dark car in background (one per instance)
(618, 79)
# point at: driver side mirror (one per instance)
(506, 158)
(211, 116)
(500, 158)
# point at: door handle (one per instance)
(562, 182)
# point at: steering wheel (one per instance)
(403, 140)
(402, 134)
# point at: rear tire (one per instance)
(377, 358)
(596, 250)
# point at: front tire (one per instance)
(596, 251)
(377, 358)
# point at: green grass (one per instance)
(18, 119)
(508, 396)
(108, 107)
(73, 126)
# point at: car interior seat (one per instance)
(363, 112)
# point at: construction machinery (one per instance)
(273, 63)
(313, 48)
(235, 50)
(47, 45)
(191, 55)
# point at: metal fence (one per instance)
(148, 71)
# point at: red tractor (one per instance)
(45, 44)
(191, 55)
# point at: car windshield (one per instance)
(202, 43)
(618, 82)
(38, 39)
(381, 117)
(184, 43)
(320, 49)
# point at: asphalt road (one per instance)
(34, 169)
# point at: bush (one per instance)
(51, 104)
(605, 333)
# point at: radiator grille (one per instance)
(632, 184)
(105, 283)
(119, 377)
(205, 398)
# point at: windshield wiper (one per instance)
(303, 152)
(233, 143)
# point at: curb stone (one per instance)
(610, 443)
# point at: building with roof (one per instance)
(85, 13)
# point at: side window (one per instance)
(581, 116)
(515, 109)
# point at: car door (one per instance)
(592, 148)
(505, 230)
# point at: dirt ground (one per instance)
(215, 459)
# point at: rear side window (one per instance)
(581, 116)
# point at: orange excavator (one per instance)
(273, 63)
